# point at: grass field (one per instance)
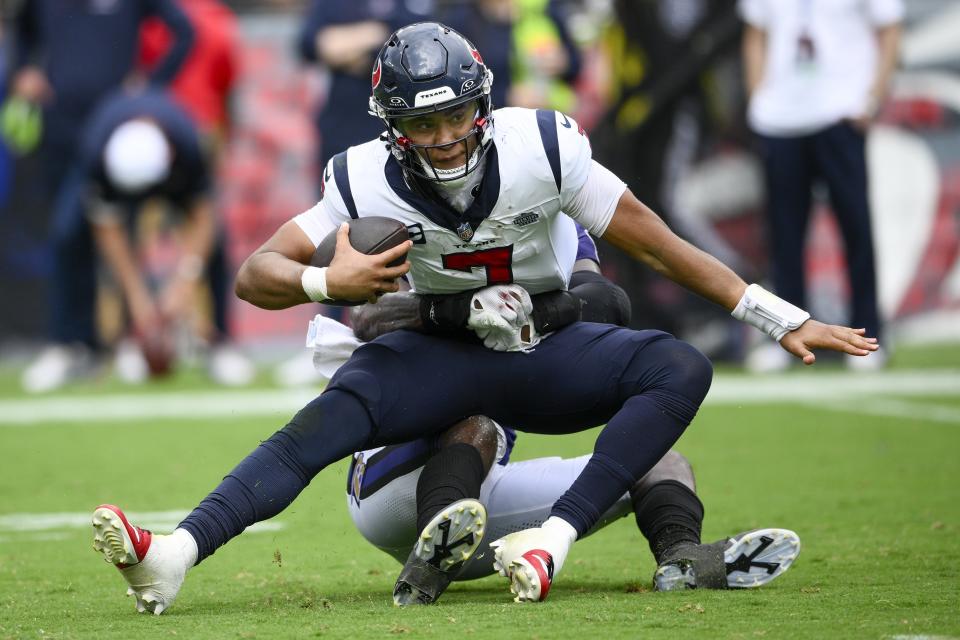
(867, 475)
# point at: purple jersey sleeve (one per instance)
(586, 247)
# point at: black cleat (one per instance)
(746, 560)
(445, 544)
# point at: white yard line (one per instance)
(46, 526)
(142, 408)
(893, 408)
(809, 388)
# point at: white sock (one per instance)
(565, 535)
(560, 527)
(188, 546)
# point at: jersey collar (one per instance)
(441, 213)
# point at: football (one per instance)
(371, 235)
(159, 348)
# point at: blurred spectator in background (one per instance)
(343, 38)
(816, 73)
(205, 83)
(488, 24)
(5, 160)
(204, 88)
(661, 56)
(68, 56)
(527, 45)
(137, 149)
(547, 60)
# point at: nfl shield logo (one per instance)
(465, 232)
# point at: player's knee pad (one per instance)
(672, 466)
(601, 300)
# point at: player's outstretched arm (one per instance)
(636, 229)
(276, 276)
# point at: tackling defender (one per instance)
(467, 494)
(485, 203)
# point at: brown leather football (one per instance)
(158, 347)
(370, 235)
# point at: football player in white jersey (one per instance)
(484, 201)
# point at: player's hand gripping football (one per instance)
(817, 335)
(356, 276)
(502, 316)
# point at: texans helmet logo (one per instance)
(376, 74)
(476, 55)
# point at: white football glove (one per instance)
(501, 316)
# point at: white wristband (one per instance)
(314, 282)
(765, 311)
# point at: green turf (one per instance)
(874, 500)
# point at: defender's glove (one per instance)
(501, 316)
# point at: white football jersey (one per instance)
(513, 232)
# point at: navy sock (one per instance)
(453, 473)
(331, 427)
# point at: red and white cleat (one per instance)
(532, 558)
(153, 566)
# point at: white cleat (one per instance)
(154, 566)
(532, 558)
(747, 560)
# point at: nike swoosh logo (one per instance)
(565, 123)
(136, 533)
(326, 174)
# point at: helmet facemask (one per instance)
(417, 157)
(429, 70)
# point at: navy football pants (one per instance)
(645, 385)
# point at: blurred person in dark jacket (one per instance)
(204, 88)
(344, 36)
(69, 55)
(144, 148)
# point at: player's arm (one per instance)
(595, 299)
(113, 243)
(276, 276)
(28, 80)
(183, 34)
(888, 49)
(640, 232)
(197, 238)
(346, 47)
(753, 49)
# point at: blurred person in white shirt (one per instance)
(817, 73)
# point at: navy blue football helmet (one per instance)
(423, 68)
